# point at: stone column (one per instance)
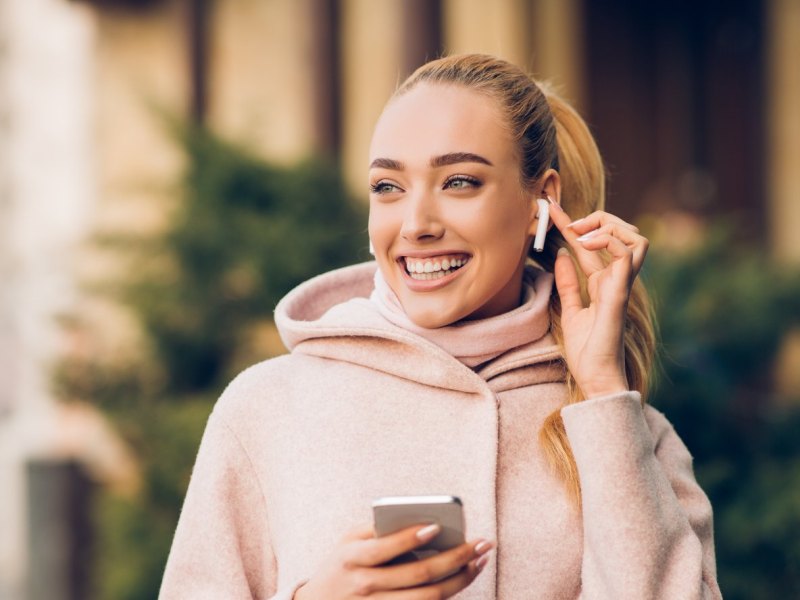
(372, 57)
(261, 75)
(501, 27)
(46, 196)
(783, 154)
(544, 37)
(783, 127)
(59, 531)
(557, 35)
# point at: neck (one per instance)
(478, 339)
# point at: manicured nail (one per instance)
(428, 533)
(482, 547)
(588, 235)
(563, 252)
(574, 223)
(481, 563)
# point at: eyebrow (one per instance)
(458, 157)
(387, 163)
(450, 158)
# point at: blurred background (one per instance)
(170, 168)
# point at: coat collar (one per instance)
(330, 316)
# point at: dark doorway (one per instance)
(676, 101)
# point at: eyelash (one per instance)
(380, 187)
(472, 181)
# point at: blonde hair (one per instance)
(549, 133)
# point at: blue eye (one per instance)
(461, 182)
(383, 187)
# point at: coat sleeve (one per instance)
(647, 525)
(221, 547)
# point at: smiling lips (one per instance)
(423, 269)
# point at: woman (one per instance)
(454, 368)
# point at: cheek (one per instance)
(503, 230)
(383, 230)
(379, 226)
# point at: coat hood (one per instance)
(331, 316)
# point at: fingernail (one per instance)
(428, 533)
(482, 547)
(586, 236)
(481, 563)
(575, 222)
(563, 251)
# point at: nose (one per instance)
(421, 221)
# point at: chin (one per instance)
(432, 318)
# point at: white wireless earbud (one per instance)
(371, 248)
(544, 221)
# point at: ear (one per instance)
(550, 184)
(547, 186)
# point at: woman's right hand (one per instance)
(355, 567)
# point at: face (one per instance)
(449, 220)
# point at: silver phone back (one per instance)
(394, 513)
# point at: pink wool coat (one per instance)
(298, 446)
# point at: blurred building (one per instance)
(46, 190)
(694, 103)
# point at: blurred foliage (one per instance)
(724, 312)
(247, 232)
(243, 235)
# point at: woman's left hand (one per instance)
(593, 334)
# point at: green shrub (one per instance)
(724, 311)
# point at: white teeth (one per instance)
(433, 269)
(428, 276)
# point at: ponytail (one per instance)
(582, 192)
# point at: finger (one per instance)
(598, 219)
(442, 589)
(638, 244)
(362, 531)
(567, 284)
(452, 585)
(590, 262)
(615, 246)
(621, 257)
(376, 551)
(624, 234)
(432, 568)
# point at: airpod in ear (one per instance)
(544, 221)
(371, 248)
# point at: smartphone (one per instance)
(393, 513)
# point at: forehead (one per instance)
(435, 119)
